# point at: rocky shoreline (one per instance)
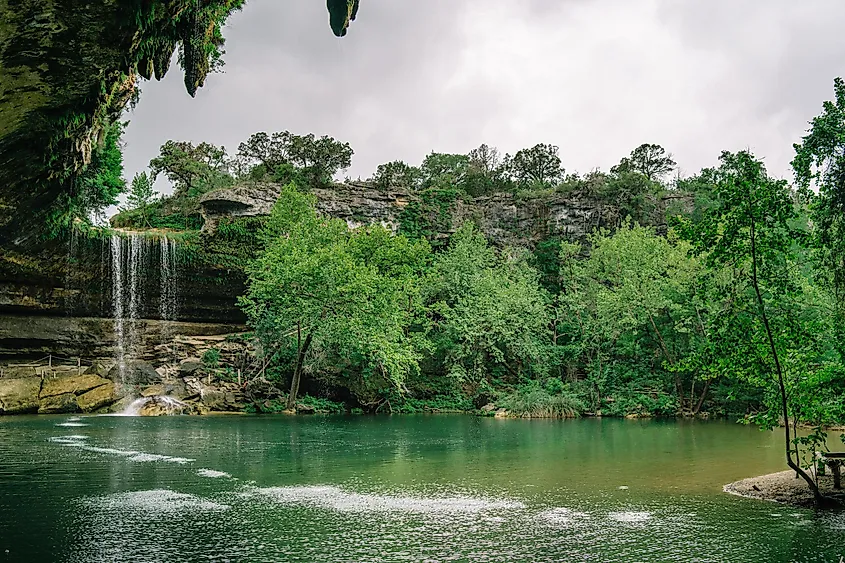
(98, 389)
(784, 488)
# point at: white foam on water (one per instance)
(111, 451)
(145, 457)
(131, 455)
(561, 515)
(74, 419)
(557, 515)
(630, 517)
(76, 441)
(335, 498)
(71, 424)
(212, 473)
(157, 501)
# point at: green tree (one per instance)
(192, 169)
(632, 194)
(488, 311)
(538, 166)
(644, 286)
(820, 163)
(141, 194)
(652, 161)
(443, 169)
(101, 182)
(318, 158)
(397, 174)
(750, 230)
(485, 174)
(333, 294)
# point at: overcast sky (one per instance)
(595, 77)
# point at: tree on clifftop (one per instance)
(652, 161)
(538, 166)
(192, 169)
(317, 158)
(141, 195)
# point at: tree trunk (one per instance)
(679, 387)
(817, 496)
(700, 402)
(302, 349)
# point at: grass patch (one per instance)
(537, 401)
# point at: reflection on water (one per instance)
(393, 489)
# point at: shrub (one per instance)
(211, 358)
(536, 401)
(439, 403)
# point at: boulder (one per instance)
(489, 407)
(154, 390)
(177, 389)
(305, 409)
(97, 398)
(135, 372)
(58, 404)
(214, 399)
(259, 390)
(19, 396)
(97, 369)
(164, 406)
(189, 367)
(76, 384)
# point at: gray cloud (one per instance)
(596, 77)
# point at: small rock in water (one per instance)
(623, 487)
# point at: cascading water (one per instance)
(156, 405)
(117, 270)
(132, 259)
(167, 302)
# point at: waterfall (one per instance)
(117, 269)
(156, 405)
(132, 264)
(70, 300)
(167, 302)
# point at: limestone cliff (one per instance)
(506, 219)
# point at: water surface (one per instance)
(421, 488)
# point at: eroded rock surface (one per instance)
(19, 396)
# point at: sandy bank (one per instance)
(784, 488)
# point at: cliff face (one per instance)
(77, 278)
(506, 219)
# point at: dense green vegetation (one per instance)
(735, 310)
